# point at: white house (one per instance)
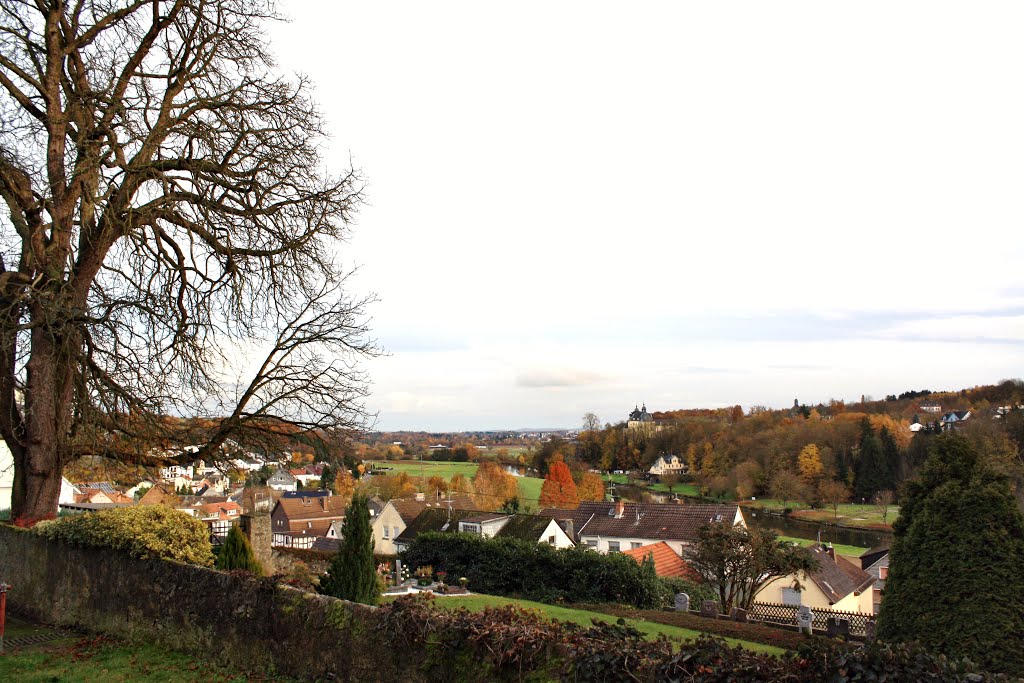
(668, 464)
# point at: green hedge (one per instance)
(538, 571)
(513, 644)
(145, 532)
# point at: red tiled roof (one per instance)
(666, 562)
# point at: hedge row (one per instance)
(538, 571)
(146, 532)
(509, 643)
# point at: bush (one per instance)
(146, 532)
(510, 643)
(236, 553)
(698, 592)
(538, 571)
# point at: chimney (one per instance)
(567, 527)
(831, 551)
(323, 504)
(420, 497)
(620, 509)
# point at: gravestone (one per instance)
(709, 608)
(805, 619)
(398, 572)
(682, 602)
(739, 614)
(838, 628)
(869, 630)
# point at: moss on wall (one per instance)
(245, 622)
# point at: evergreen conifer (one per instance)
(236, 553)
(956, 567)
(352, 574)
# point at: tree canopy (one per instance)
(956, 566)
(352, 574)
(738, 562)
(166, 213)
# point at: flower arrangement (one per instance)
(424, 575)
(463, 581)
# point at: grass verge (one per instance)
(585, 617)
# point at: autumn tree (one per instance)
(808, 463)
(785, 485)
(493, 486)
(165, 207)
(590, 486)
(558, 489)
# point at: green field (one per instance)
(851, 551)
(478, 602)
(848, 514)
(529, 487)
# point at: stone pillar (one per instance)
(256, 526)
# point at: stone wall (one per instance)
(251, 624)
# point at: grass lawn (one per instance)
(848, 514)
(850, 551)
(478, 602)
(681, 489)
(87, 659)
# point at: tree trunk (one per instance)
(38, 476)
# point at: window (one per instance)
(394, 532)
(551, 540)
(469, 528)
(790, 596)
(591, 543)
(634, 545)
(883, 572)
(386, 529)
(613, 546)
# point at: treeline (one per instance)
(826, 453)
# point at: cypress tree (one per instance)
(956, 566)
(352, 574)
(236, 553)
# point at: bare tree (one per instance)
(883, 501)
(168, 216)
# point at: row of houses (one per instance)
(639, 530)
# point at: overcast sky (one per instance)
(584, 206)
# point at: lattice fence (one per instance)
(774, 613)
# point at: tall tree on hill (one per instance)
(352, 574)
(871, 475)
(558, 489)
(164, 206)
(956, 567)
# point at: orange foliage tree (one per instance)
(590, 487)
(494, 486)
(559, 490)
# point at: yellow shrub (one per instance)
(146, 532)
